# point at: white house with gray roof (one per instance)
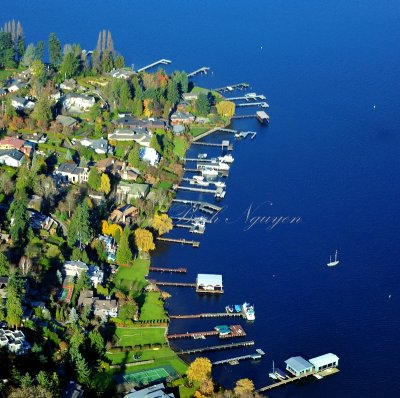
(78, 103)
(73, 173)
(11, 157)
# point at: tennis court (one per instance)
(150, 375)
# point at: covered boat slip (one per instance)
(209, 283)
(323, 362)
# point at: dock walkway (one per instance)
(217, 347)
(159, 62)
(181, 241)
(173, 270)
(232, 87)
(204, 70)
(209, 315)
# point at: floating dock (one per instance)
(318, 375)
(181, 241)
(159, 62)
(204, 70)
(217, 347)
(232, 87)
(172, 270)
(260, 104)
(224, 144)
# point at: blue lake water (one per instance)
(328, 156)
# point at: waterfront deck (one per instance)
(281, 383)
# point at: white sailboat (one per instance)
(333, 263)
(272, 375)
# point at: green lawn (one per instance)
(133, 277)
(162, 356)
(180, 146)
(132, 336)
(195, 131)
(6, 73)
(153, 308)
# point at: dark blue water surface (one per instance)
(328, 157)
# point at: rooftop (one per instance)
(209, 279)
(324, 359)
(298, 363)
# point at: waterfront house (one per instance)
(190, 96)
(325, 361)
(149, 155)
(298, 366)
(78, 103)
(182, 118)
(3, 286)
(126, 191)
(68, 85)
(122, 73)
(67, 121)
(11, 157)
(156, 391)
(73, 173)
(209, 283)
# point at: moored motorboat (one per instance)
(248, 311)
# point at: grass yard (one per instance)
(6, 73)
(153, 308)
(132, 336)
(162, 356)
(195, 131)
(133, 277)
(180, 146)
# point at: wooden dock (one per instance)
(232, 87)
(243, 116)
(205, 134)
(260, 104)
(248, 98)
(176, 284)
(204, 70)
(223, 144)
(192, 189)
(217, 347)
(281, 383)
(159, 62)
(181, 241)
(209, 315)
(172, 270)
(236, 331)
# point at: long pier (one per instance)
(205, 134)
(204, 70)
(248, 98)
(172, 270)
(260, 104)
(181, 241)
(209, 315)
(217, 347)
(176, 284)
(203, 206)
(243, 116)
(203, 190)
(232, 87)
(235, 360)
(188, 219)
(159, 62)
(281, 383)
(224, 144)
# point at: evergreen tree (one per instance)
(7, 50)
(172, 92)
(79, 230)
(40, 50)
(202, 105)
(4, 270)
(19, 222)
(124, 253)
(69, 66)
(29, 56)
(82, 369)
(54, 49)
(94, 179)
(137, 107)
(134, 158)
(14, 301)
(42, 112)
(96, 342)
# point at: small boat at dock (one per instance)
(202, 156)
(226, 158)
(280, 374)
(272, 374)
